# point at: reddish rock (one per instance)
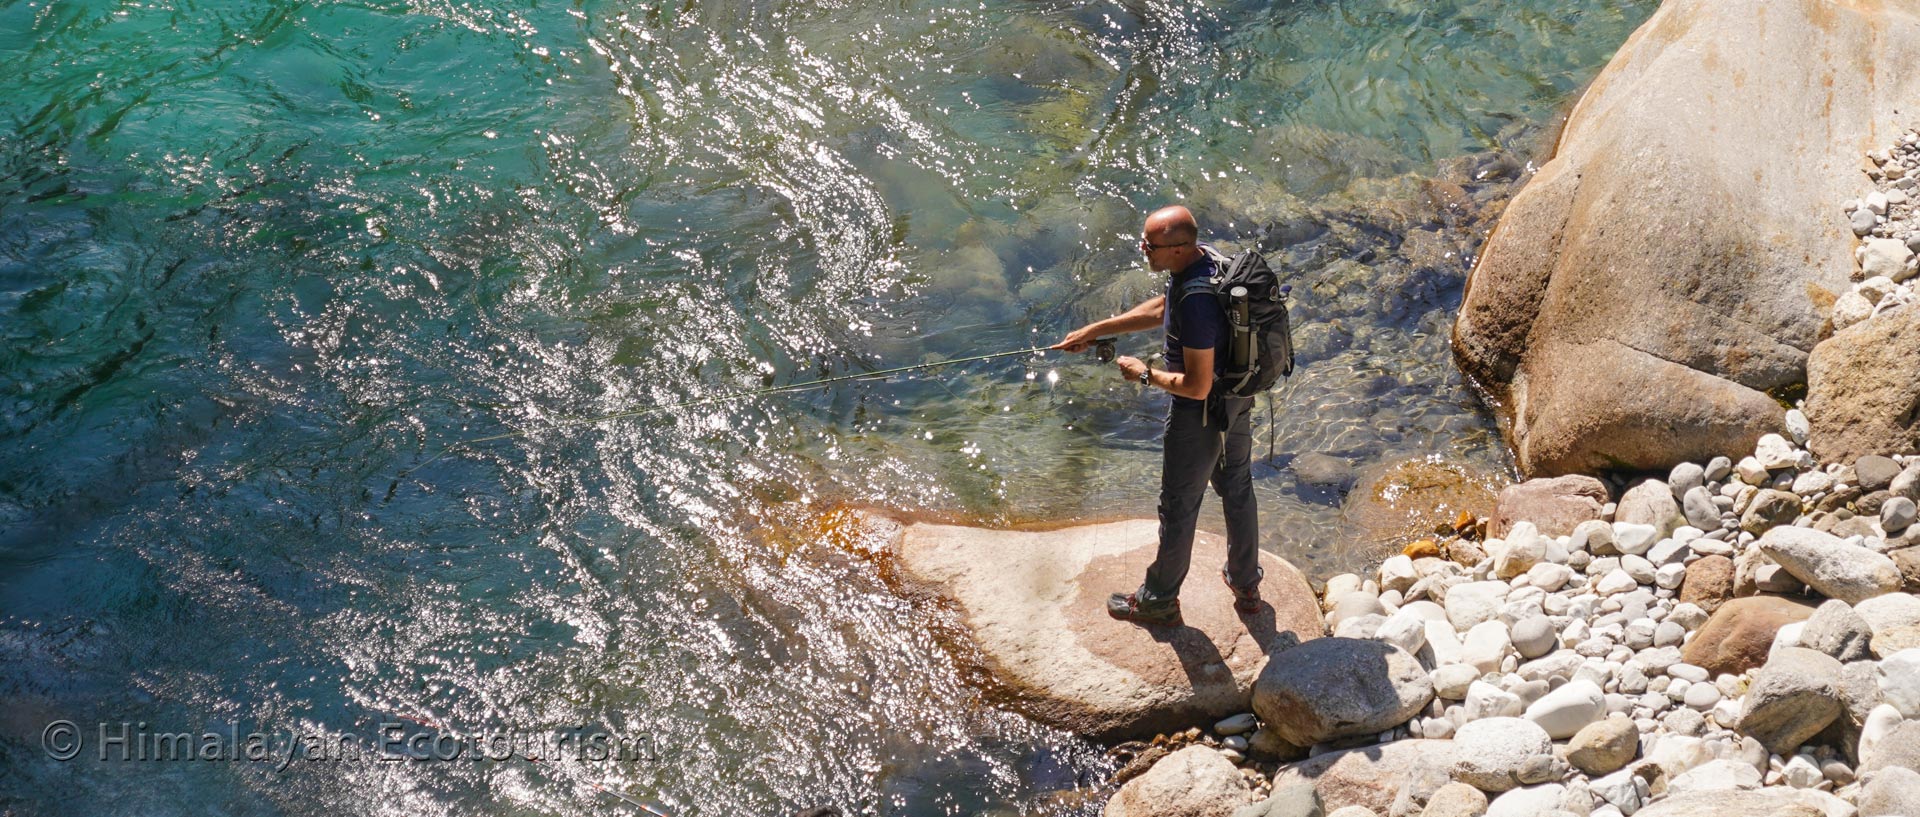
(1708, 583)
(1554, 505)
(1739, 635)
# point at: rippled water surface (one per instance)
(258, 258)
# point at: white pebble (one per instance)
(1670, 576)
(1701, 696)
(1669, 634)
(1617, 581)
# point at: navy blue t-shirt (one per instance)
(1202, 323)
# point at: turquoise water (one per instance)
(258, 258)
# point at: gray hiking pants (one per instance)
(1194, 453)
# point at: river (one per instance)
(260, 260)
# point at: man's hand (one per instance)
(1130, 367)
(1140, 318)
(1077, 340)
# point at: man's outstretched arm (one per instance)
(1140, 318)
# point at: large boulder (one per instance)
(1740, 634)
(1340, 687)
(1861, 392)
(1370, 776)
(1555, 505)
(1032, 610)
(1675, 259)
(1194, 782)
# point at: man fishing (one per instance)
(1208, 436)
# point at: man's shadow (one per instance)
(1200, 658)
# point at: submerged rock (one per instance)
(1032, 605)
(1398, 502)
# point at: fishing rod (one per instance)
(1103, 349)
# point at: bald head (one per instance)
(1170, 235)
(1172, 225)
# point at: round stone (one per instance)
(1533, 637)
(1490, 753)
(1897, 513)
(1702, 696)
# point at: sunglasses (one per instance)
(1148, 246)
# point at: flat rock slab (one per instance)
(1032, 605)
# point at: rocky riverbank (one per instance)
(1741, 627)
(1741, 637)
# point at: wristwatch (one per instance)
(1146, 377)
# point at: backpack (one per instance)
(1259, 349)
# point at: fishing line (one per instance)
(1103, 348)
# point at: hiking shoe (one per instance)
(1246, 600)
(1129, 607)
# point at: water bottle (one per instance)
(1241, 354)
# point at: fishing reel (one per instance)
(1103, 349)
